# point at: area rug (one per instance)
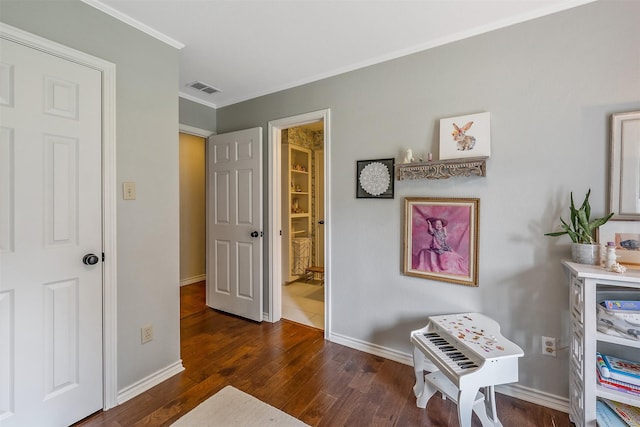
(231, 407)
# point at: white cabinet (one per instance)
(589, 285)
(296, 211)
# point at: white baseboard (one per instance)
(514, 390)
(374, 349)
(194, 279)
(150, 381)
(535, 396)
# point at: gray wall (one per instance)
(197, 115)
(147, 153)
(551, 85)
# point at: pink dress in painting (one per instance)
(439, 256)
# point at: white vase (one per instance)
(584, 253)
(408, 156)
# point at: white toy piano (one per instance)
(464, 353)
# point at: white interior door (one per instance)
(50, 218)
(234, 223)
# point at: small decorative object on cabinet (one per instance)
(296, 209)
(625, 236)
(590, 285)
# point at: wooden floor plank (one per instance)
(292, 367)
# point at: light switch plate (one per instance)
(129, 190)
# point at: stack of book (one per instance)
(618, 374)
(610, 413)
(619, 318)
(622, 305)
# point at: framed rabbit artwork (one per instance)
(465, 136)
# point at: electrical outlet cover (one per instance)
(146, 333)
(549, 346)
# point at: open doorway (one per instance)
(192, 208)
(299, 210)
(302, 191)
(192, 160)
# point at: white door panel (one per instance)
(50, 217)
(6, 189)
(234, 193)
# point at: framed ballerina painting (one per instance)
(441, 239)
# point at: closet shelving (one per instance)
(296, 208)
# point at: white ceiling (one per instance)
(251, 48)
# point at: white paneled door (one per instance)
(234, 223)
(50, 219)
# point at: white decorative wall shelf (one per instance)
(442, 169)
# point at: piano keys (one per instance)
(464, 353)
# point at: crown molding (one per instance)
(134, 23)
(198, 100)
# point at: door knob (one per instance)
(90, 259)
(254, 234)
(321, 222)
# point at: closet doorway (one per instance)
(300, 279)
(302, 190)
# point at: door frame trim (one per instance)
(109, 194)
(190, 130)
(275, 211)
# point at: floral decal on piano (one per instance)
(474, 330)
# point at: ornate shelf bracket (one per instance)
(442, 169)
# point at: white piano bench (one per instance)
(437, 381)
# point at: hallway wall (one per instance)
(192, 209)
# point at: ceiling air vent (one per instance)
(203, 87)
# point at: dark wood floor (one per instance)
(293, 368)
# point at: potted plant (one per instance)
(580, 229)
